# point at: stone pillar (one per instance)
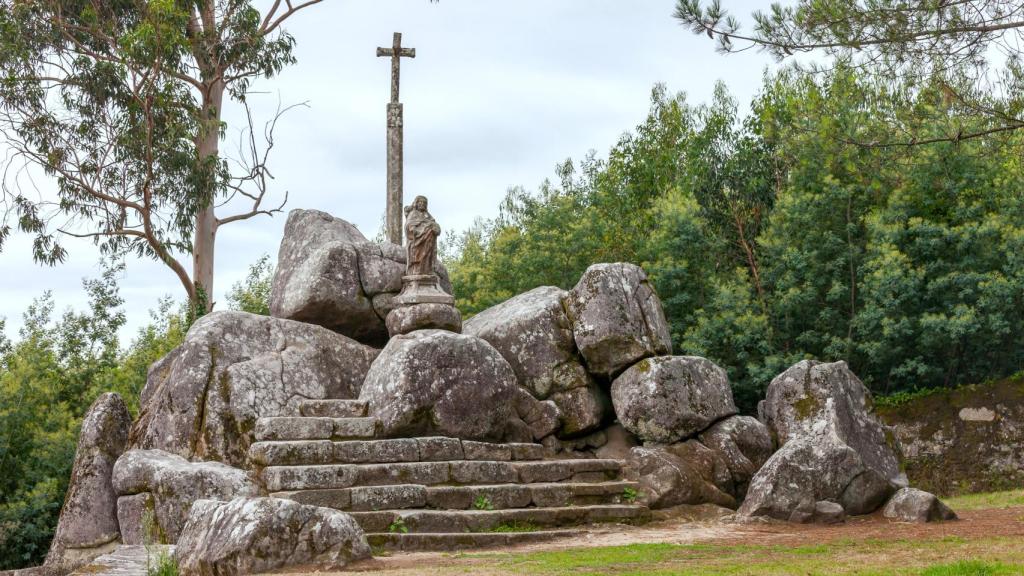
(393, 217)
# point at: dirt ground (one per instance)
(981, 525)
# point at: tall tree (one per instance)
(123, 103)
(904, 45)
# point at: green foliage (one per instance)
(907, 47)
(253, 294)
(48, 380)
(161, 564)
(398, 526)
(773, 236)
(482, 503)
(630, 494)
(903, 397)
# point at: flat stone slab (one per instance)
(298, 452)
(314, 428)
(421, 521)
(333, 408)
(125, 561)
(435, 449)
(496, 496)
(450, 542)
(469, 472)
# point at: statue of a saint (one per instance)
(421, 233)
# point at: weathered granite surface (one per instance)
(617, 319)
(744, 443)
(329, 274)
(970, 439)
(913, 505)
(833, 448)
(434, 382)
(88, 525)
(203, 400)
(683, 473)
(174, 484)
(671, 398)
(532, 332)
(255, 535)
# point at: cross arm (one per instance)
(403, 53)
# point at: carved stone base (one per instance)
(412, 317)
(422, 289)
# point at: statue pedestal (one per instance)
(422, 289)
(422, 305)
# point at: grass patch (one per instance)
(986, 500)
(161, 564)
(971, 568)
(991, 556)
(515, 527)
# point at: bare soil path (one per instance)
(978, 532)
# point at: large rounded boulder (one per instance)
(435, 382)
(832, 446)
(329, 274)
(617, 319)
(203, 399)
(815, 399)
(671, 398)
(533, 333)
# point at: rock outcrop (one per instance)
(833, 448)
(202, 401)
(167, 485)
(684, 473)
(744, 443)
(88, 524)
(256, 535)
(329, 274)
(434, 382)
(968, 439)
(671, 398)
(617, 319)
(532, 331)
(913, 505)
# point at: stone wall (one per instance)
(965, 440)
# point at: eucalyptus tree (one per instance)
(906, 46)
(122, 103)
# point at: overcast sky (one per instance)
(499, 92)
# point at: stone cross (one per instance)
(393, 214)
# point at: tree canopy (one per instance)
(122, 103)
(772, 236)
(971, 48)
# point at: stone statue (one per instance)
(421, 233)
(421, 285)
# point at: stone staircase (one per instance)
(434, 493)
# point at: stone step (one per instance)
(496, 496)
(312, 428)
(298, 452)
(514, 519)
(450, 542)
(460, 472)
(330, 408)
